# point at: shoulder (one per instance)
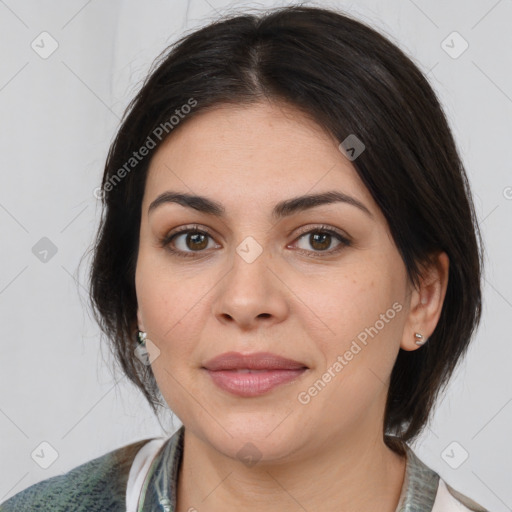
(96, 485)
(448, 500)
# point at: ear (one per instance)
(426, 302)
(140, 323)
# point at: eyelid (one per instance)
(323, 227)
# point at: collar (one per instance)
(420, 486)
(159, 490)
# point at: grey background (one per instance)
(58, 116)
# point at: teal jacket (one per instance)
(100, 485)
(97, 485)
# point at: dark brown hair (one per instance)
(351, 80)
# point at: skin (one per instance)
(328, 454)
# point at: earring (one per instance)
(142, 337)
(419, 339)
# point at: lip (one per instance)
(252, 384)
(254, 361)
(230, 372)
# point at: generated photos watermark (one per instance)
(158, 134)
(304, 397)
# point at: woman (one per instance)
(290, 261)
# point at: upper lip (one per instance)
(255, 361)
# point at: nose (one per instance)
(251, 294)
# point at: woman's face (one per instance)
(259, 282)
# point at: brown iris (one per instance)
(195, 238)
(314, 239)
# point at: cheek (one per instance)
(342, 304)
(167, 307)
(172, 303)
(357, 315)
(361, 317)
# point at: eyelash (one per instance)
(165, 242)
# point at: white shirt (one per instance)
(139, 470)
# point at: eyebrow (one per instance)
(282, 209)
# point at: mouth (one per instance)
(252, 375)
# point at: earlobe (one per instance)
(420, 339)
(140, 323)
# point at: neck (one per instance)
(354, 474)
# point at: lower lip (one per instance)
(252, 384)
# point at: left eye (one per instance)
(320, 240)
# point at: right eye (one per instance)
(186, 241)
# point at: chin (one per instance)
(252, 436)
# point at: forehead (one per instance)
(259, 153)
